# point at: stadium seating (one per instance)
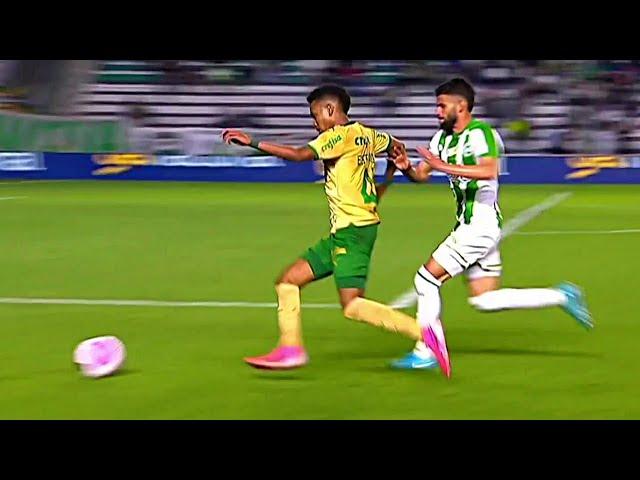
(213, 93)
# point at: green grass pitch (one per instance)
(228, 242)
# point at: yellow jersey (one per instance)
(349, 156)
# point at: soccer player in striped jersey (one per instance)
(348, 150)
(468, 151)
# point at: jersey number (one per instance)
(368, 186)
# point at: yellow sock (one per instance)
(289, 314)
(383, 316)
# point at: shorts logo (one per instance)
(337, 251)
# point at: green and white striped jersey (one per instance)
(476, 200)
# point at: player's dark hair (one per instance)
(458, 86)
(331, 91)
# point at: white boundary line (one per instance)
(578, 232)
(150, 303)
(11, 198)
(409, 298)
(406, 300)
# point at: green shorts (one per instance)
(346, 254)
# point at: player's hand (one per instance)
(401, 161)
(236, 136)
(432, 160)
(397, 150)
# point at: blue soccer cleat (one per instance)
(412, 361)
(576, 305)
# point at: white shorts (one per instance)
(471, 249)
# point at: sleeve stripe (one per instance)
(390, 144)
(491, 141)
(315, 152)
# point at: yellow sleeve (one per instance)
(382, 142)
(328, 145)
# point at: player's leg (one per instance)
(429, 306)
(356, 307)
(486, 295)
(427, 281)
(453, 256)
(315, 264)
(353, 247)
(288, 286)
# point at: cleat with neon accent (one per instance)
(412, 361)
(576, 305)
(439, 348)
(282, 358)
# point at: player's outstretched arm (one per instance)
(293, 154)
(486, 170)
(419, 174)
(381, 188)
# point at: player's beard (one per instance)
(448, 123)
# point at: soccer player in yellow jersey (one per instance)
(348, 150)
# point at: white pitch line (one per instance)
(11, 198)
(578, 232)
(517, 221)
(150, 303)
(409, 298)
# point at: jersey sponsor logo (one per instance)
(588, 166)
(468, 151)
(362, 141)
(331, 143)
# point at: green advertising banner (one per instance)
(34, 133)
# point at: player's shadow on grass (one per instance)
(58, 371)
(125, 372)
(276, 376)
(522, 352)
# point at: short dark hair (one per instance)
(458, 86)
(331, 91)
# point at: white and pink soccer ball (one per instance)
(100, 356)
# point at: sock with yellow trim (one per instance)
(289, 319)
(383, 316)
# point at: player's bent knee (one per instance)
(425, 283)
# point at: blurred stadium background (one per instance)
(79, 247)
(539, 106)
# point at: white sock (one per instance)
(514, 298)
(422, 351)
(429, 303)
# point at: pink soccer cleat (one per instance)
(439, 347)
(282, 358)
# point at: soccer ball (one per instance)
(100, 356)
